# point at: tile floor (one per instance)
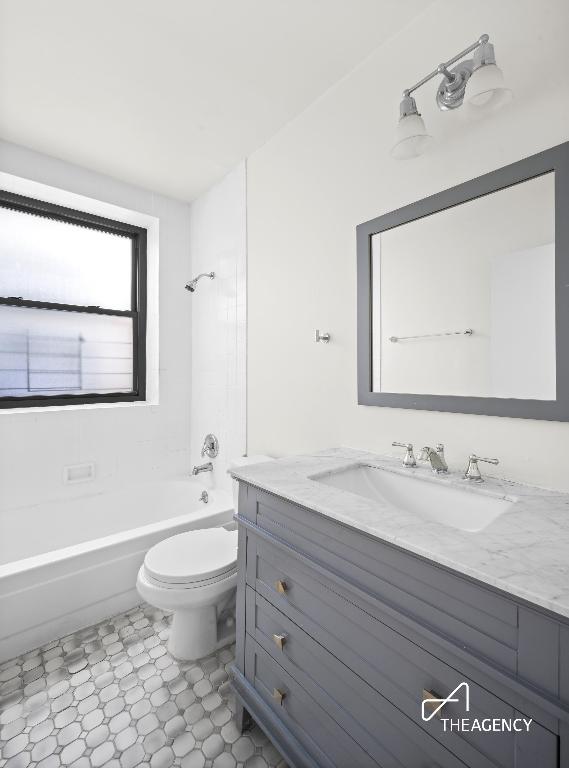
(111, 695)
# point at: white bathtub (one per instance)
(68, 564)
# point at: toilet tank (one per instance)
(243, 461)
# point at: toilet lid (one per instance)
(193, 556)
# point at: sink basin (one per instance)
(430, 498)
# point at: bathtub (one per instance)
(68, 564)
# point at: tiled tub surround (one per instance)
(525, 552)
(68, 564)
(112, 695)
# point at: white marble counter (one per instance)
(525, 552)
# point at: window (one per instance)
(72, 306)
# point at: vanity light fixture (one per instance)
(478, 79)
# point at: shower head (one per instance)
(191, 286)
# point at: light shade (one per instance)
(486, 90)
(411, 138)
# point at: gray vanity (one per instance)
(352, 613)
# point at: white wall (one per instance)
(523, 349)
(330, 169)
(126, 442)
(218, 244)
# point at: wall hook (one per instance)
(323, 337)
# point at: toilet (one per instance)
(194, 575)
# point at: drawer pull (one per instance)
(279, 641)
(281, 586)
(430, 706)
(279, 696)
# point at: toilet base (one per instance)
(193, 633)
(203, 616)
(196, 633)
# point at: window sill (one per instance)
(78, 407)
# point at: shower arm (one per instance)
(192, 284)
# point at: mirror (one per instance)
(463, 297)
(463, 301)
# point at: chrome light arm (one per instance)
(450, 93)
(442, 69)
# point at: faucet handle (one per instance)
(472, 471)
(480, 458)
(409, 460)
(210, 446)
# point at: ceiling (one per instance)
(171, 94)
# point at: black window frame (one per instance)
(137, 311)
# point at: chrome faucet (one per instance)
(472, 471)
(210, 447)
(435, 457)
(199, 468)
(409, 459)
(440, 449)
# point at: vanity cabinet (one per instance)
(341, 636)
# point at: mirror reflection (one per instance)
(463, 301)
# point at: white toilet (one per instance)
(194, 574)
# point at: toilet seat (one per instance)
(192, 559)
(189, 585)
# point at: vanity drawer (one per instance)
(329, 745)
(378, 727)
(390, 663)
(456, 609)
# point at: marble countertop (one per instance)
(524, 552)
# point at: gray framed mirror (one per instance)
(463, 297)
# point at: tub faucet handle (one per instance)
(210, 447)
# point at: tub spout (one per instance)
(207, 467)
